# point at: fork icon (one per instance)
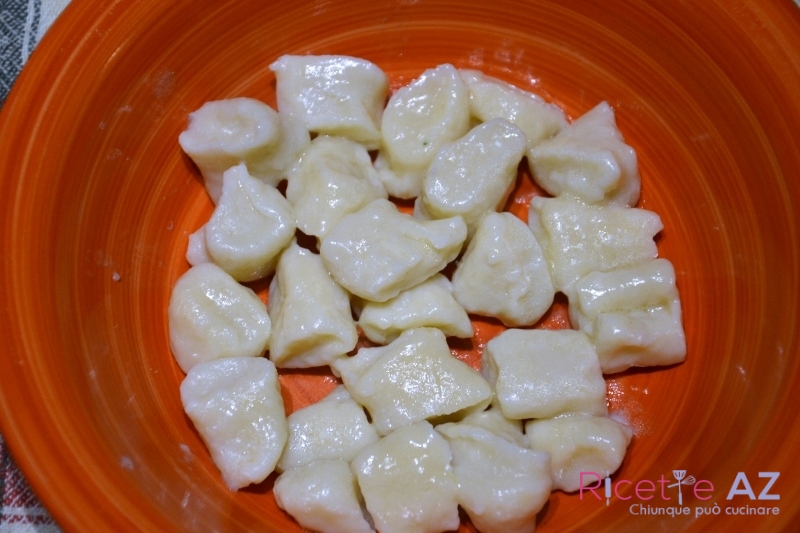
(679, 476)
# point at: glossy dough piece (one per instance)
(333, 95)
(322, 496)
(407, 481)
(237, 408)
(475, 174)
(249, 227)
(312, 322)
(588, 160)
(501, 485)
(414, 378)
(495, 421)
(632, 315)
(544, 373)
(211, 316)
(418, 120)
(378, 252)
(491, 98)
(503, 273)
(334, 428)
(196, 251)
(294, 139)
(225, 133)
(429, 304)
(578, 238)
(578, 444)
(334, 177)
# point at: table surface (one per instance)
(22, 25)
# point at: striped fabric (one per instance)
(22, 25)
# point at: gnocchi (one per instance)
(490, 98)
(474, 175)
(250, 225)
(588, 160)
(579, 443)
(333, 178)
(225, 133)
(503, 273)
(578, 239)
(408, 482)
(335, 428)
(501, 485)
(414, 378)
(322, 496)
(542, 373)
(412, 432)
(429, 304)
(312, 323)
(211, 316)
(633, 315)
(419, 119)
(333, 95)
(237, 408)
(377, 252)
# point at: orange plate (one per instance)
(94, 184)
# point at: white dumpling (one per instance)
(334, 428)
(237, 408)
(503, 273)
(196, 251)
(333, 95)
(429, 304)
(377, 252)
(492, 98)
(338, 393)
(211, 316)
(311, 320)
(632, 315)
(501, 485)
(249, 227)
(418, 120)
(414, 378)
(334, 177)
(474, 175)
(407, 481)
(322, 496)
(578, 444)
(544, 373)
(275, 167)
(578, 238)
(495, 421)
(588, 160)
(225, 133)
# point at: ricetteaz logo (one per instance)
(668, 490)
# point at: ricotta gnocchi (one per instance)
(503, 273)
(408, 482)
(211, 316)
(312, 325)
(237, 408)
(412, 432)
(377, 252)
(333, 95)
(588, 160)
(412, 379)
(579, 443)
(501, 485)
(542, 373)
(249, 227)
(429, 304)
